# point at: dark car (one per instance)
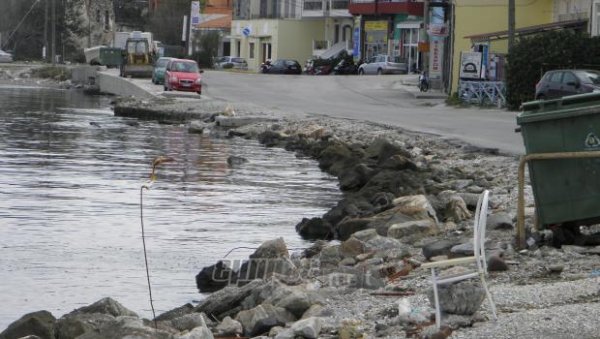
(284, 66)
(345, 66)
(562, 82)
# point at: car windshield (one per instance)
(589, 77)
(162, 63)
(185, 67)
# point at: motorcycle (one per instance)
(265, 66)
(423, 82)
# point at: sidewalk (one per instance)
(410, 84)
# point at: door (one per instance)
(554, 83)
(570, 84)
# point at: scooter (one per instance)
(423, 82)
(265, 66)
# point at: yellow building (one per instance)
(483, 21)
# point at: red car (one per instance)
(183, 75)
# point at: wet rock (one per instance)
(462, 298)
(314, 249)
(337, 154)
(215, 277)
(229, 327)
(235, 161)
(40, 324)
(410, 231)
(197, 126)
(270, 258)
(261, 318)
(271, 138)
(500, 221)
(398, 162)
(315, 228)
(355, 178)
(348, 227)
(307, 328)
(382, 149)
(226, 299)
(495, 263)
(440, 247)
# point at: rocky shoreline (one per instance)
(407, 198)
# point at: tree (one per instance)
(166, 22)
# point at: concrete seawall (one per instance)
(109, 83)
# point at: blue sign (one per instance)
(246, 31)
(356, 45)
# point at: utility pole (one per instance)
(426, 36)
(53, 54)
(45, 53)
(511, 25)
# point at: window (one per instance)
(596, 18)
(251, 51)
(569, 77)
(98, 18)
(106, 21)
(556, 77)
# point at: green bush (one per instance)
(52, 72)
(534, 55)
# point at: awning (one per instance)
(554, 26)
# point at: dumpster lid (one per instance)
(565, 107)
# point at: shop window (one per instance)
(251, 51)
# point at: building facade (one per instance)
(293, 29)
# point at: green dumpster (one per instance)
(111, 56)
(565, 190)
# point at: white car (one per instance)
(5, 57)
(384, 64)
(231, 62)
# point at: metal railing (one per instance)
(485, 93)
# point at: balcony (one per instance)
(325, 8)
(376, 7)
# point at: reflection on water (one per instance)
(69, 204)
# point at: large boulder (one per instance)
(127, 327)
(439, 247)
(382, 149)
(227, 299)
(413, 230)
(416, 206)
(229, 327)
(315, 228)
(261, 318)
(350, 226)
(307, 328)
(271, 257)
(335, 157)
(189, 322)
(462, 298)
(355, 177)
(41, 324)
(106, 306)
(351, 248)
(214, 277)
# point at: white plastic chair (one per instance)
(480, 220)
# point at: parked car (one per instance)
(345, 66)
(562, 82)
(158, 73)
(5, 56)
(384, 64)
(183, 75)
(283, 66)
(231, 62)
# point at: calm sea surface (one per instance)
(70, 177)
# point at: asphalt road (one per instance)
(379, 99)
